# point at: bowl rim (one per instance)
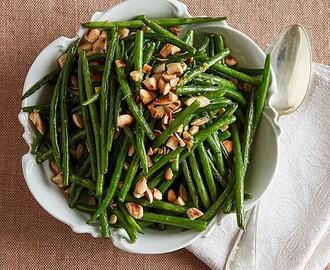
(269, 113)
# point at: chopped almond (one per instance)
(78, 120)
(171, 197)
(92, 35)
(149, 196)
(169, 49)
(194, 213)
(203, 101)
(160, 68)
(113, 219)
(168, 77)
(157, 76)
(174, 68)
(61, 60)
(230, 61)
(150, 83)
(141, 187)
(199, 121)
(193, 130)
(85, 47)
(224, 128)
(35, 117)
(180, 129)
(135, 210)
(124, 120)
(169, 174)
(120, 63)
(126, 166)
(228, 144)
(136, 75)
(150, 152)
(174, 82)
(172, 142)
(131, 150)
(123, 32)
(156, 111)
(146, 68)
(181, 142)
(175, 30)
(147, 96)
(172, 97)
(149, 162)
(53, 167)
(156, 194)
(58, 179)
(179, 201)
(182, 193)
(100, 45)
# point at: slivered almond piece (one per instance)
(85, 47)
(148, 195)
(180, 129)
(100, 45)
(150, 152)
(123, 32)
(135, 210)
(194, 213)
(120, 63)
(181, 142)
(156, 111)
(175, 30)
(174, 82)
(149, 162)
(146, 68)
(113, 219)
(174, 68)
(53, 167)
(76, 152)
(131, 150)
(61, 60)
(203, 101)
(171, 197)
(147, 96)
(157, 76)
(78, 120)
(172, 142)
(156, 194)
(169, 174)
(161, 84)
(179, 201)
(160, 151)
(193, 130)
(224, 128)
(165, 119)
(230, 61)
(160, 68)
(124, 120)
(58, 179)
(186, 135)
(92, 35)
(199, 121)
(167, 89)
(136, 75)
(228, 144)
(172, 97)
(35, 117)
(140, 187)
(182, 193)
(169, 49)
(89, 53)
(168, 77)
(150, 83)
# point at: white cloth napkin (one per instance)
(294, 220)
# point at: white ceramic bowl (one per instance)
(51, 199)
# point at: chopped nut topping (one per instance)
(186, 135)
(174, 82)
(120, 63)
(181, 142)
(89, 53)
(193, 130)
(160, 68)
(35, 117)
(146, 68)
(150, 152)
(78, 120)
(58, 179)
(135, 210)
(150, 83)
(157, 194)
(136, 75)
(194, 213)
(126, 166)
(53, 167)
(203, 101)
(169, 49)
(123, 32)
(156, 111)
(85, 47)
(224, 128)
(77, 152)
(147, 96)
(230, 61)
(92, 35)
(182, 193)
(168, 77)
(149, 196)
(61, 60)
(169, 174)
(161, 84)
(179, 201)
(100, 45)
(172, 97)
(131, 150)
(180, 129)
(141, 187)
(113, 219)
(175, 30)
(172, 142)
(157, 76)
(124, 120)
(149, 162)
(167, 89)
(160, 151)
(199, 121)
(171, 197)
(228, 144)
(174, 68)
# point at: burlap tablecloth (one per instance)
(29, 237)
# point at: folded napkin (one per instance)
(294, 214)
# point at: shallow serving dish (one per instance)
(265, 153)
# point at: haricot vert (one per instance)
(144, 128)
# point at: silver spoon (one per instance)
(292, 65)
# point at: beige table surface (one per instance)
(29, 237)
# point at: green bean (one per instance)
(175, 166)
(138, 56)
(224, 135)
(75, 191)
(211, 46)
(205, 44)
(217, 153)
(211, 79)
(117, 107)
(83, 182)
(219, 45)
(105, 228)
(197, 225)
(207, 172)
(92, 99)
(216, 174)
(194, 72)
(97, 56)
(95, 123)
(156, 180)
(201, 189)
(229, 71)
(122, 220)
(45, 107)
(212, 211)
(148, 52)
(85, 207)
(49, 153)
(129, 177)
(181, 119)
(134, 108)
(173, 38)
(240, 116)
(128, 132)
(115, 177)
(111, 48)
(36, 143)
(131, 221)
(64, 113)
(140, 149)
(111, 113)
(87, 119)
(190, 183)
(228, 205)
(263, 91)
(162, 21)
(189, 37)
(239, 183)
(47, 78)
(166, 184)
(179, 57)
(250, 71)
(215, 105)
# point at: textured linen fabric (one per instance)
(294, 220)
(32, 239)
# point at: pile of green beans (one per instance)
(133, 156)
